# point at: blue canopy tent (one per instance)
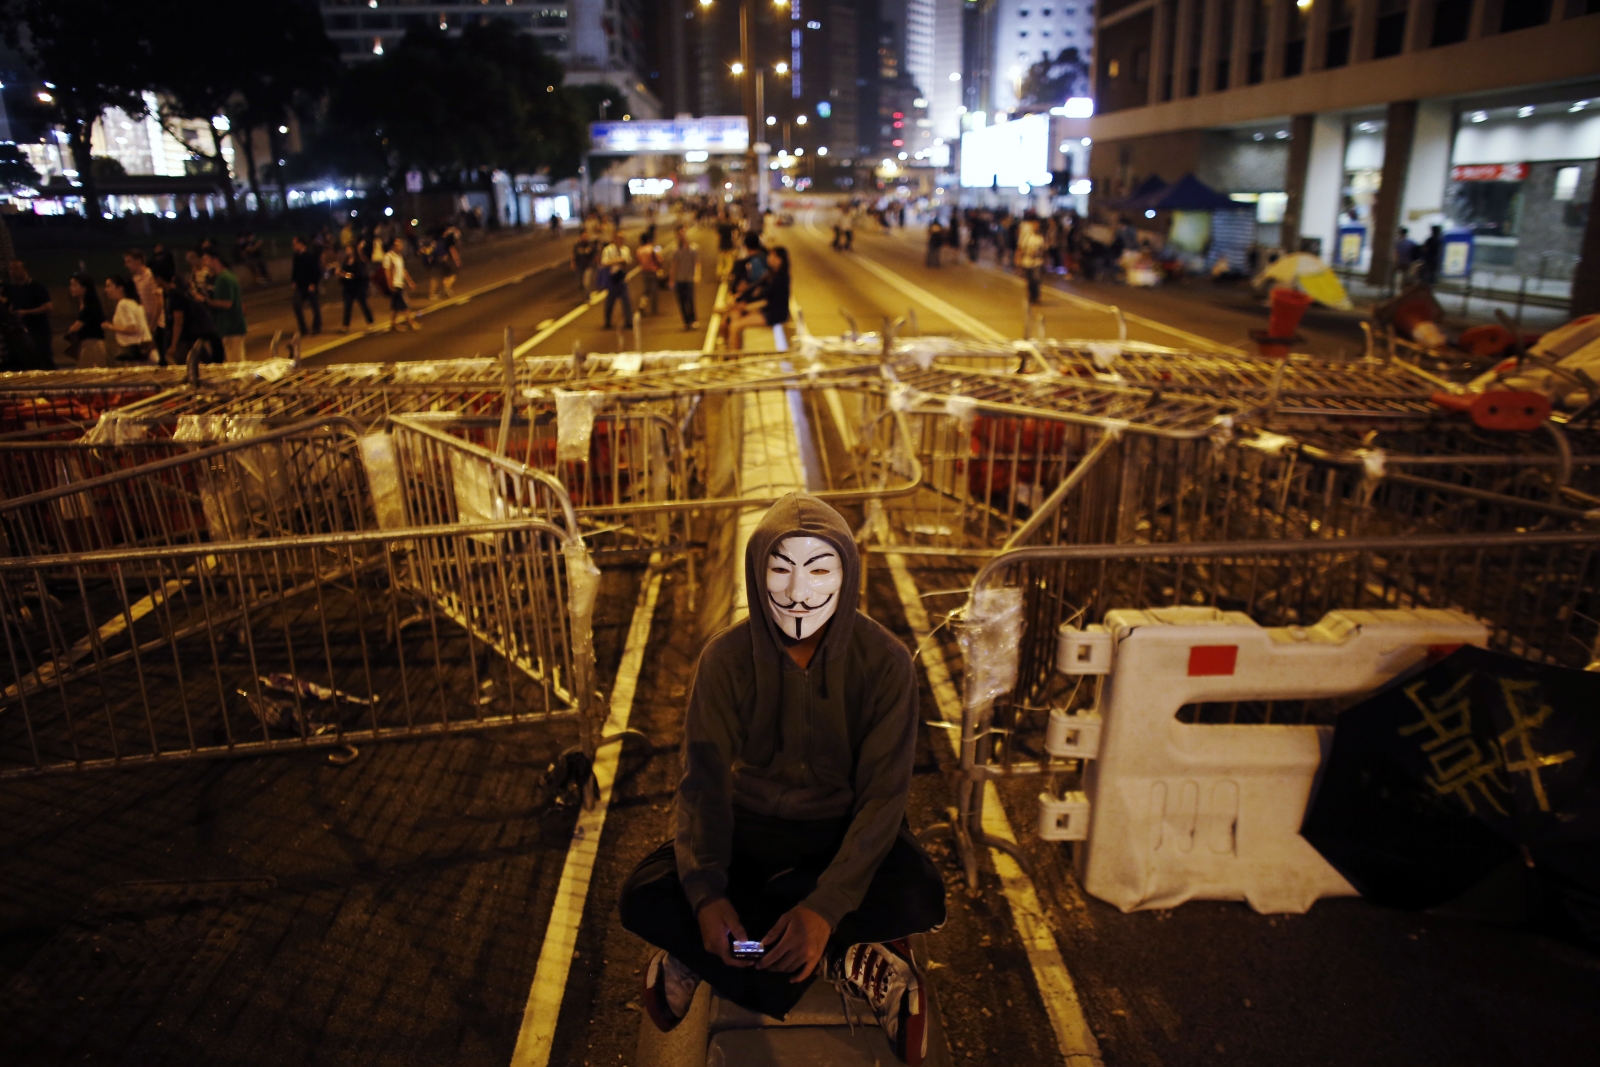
(1135, 201)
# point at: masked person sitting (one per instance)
(790, 814)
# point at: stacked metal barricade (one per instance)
(1090, 477)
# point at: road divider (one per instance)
(551, 327)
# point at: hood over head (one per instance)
(799, 515)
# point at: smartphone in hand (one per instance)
(746, 950)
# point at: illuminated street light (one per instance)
(780, 68)
(283, 129)
(800, 120)
(737, 67)
(822, 151)
(772, 120)
(46, 98)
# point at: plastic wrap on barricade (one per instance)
(575, 411)
(991, 641)
(583, 589)
(382, 465)
(116, 428)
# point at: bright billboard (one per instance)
(714, 133)
(1008, 154)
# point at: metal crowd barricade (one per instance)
(1535, 591)
(73, 400)
(254, 595)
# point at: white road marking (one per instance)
(383, 327)
(546, 332)
(983, 332)
(543, 1009)
(1060, 996)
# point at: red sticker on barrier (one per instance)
(1212, 659)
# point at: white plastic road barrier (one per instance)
(1180, 811)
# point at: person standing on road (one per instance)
(30, 303)
(685, 276)
(799, 741)
(651, 271)
(1430, 256)
(354, 281)
(726, 232)
(583, 257)
(399, 280)
(615, 259)
(150, 297)
(189, 322)
(87, 333)
(1030, 258)
(306, 276)
(227, 304)
(130, 331)
(935, 241)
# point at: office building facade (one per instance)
(1347, 120)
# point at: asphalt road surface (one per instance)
(284, 910)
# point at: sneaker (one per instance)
(886, 978)
(668, 990)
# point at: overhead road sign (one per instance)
(714, 133)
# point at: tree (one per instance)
(91, 56)
(286, 59)
(16, 173)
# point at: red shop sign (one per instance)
(1490, 172)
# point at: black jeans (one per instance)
(1034, 276)
(775, 866)
(298, 299)
(685, 291)
(356, 295)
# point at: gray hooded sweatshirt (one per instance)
(833, 741)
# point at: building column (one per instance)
(1586, 276)
(1294, 183)
(1423, 202)
(1180, 44)
(1419, 25)
(1485, 18)
(1239, 56)
(1324, 189)
(1398, 136)
(1277, 38)
(1363, 31)
(1212, 46)
(1159, 60)
(1317, 37)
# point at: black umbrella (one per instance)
(1480, 759)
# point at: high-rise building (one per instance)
(1027, 33)
(1344, 121)
(944, 88)
(595, 40)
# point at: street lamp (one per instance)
(780, 68)
(737, 68)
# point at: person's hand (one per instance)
(717, 920)
(796, 943)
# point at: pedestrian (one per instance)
(353, 284)
(584, 253)
(794, 833)
(446, 261)
(150, 295)
(726, 232)
(685, 276)
(952, 235)
(652, 271)
(935, 241)
(30, 302)
(1431, 255)
(253, 253)
(130, 330)
(1030, 258)
(188, 322)
(227, 305)
(86, 337)
(615, 259)
(1405, 253)
(398, 281)
(306, 278)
